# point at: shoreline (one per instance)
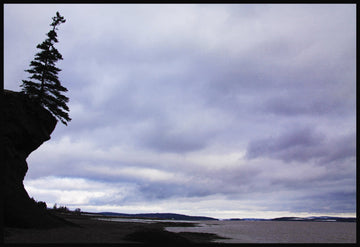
(87, 229)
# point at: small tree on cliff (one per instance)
(44, 85)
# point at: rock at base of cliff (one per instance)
(25, 125)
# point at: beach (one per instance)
(88, 229)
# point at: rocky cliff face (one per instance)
(25, 125)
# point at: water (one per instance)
(276, 231)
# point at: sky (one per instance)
(220, 110)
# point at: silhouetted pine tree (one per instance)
(44, 85)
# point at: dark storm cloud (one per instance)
(340, 149)
(163, 140)
(289, 107)
(303, 144)
(296, 144)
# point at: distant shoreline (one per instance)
(177, 217)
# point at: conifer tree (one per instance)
(43, 84)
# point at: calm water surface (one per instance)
(276, 231)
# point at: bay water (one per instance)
(276, 231)
(265, 231)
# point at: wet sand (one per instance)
(88, 230)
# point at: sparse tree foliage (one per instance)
(43, 84)
(77, 211)
(63, 209)
(40, 204)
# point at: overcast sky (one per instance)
(215, 110)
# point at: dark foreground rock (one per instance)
(25, 125)
(92, 231)
(153, 236)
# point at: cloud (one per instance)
(77, 192)
(169, 176)
(303, 144)
(306, 105)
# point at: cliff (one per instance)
(25, 125)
